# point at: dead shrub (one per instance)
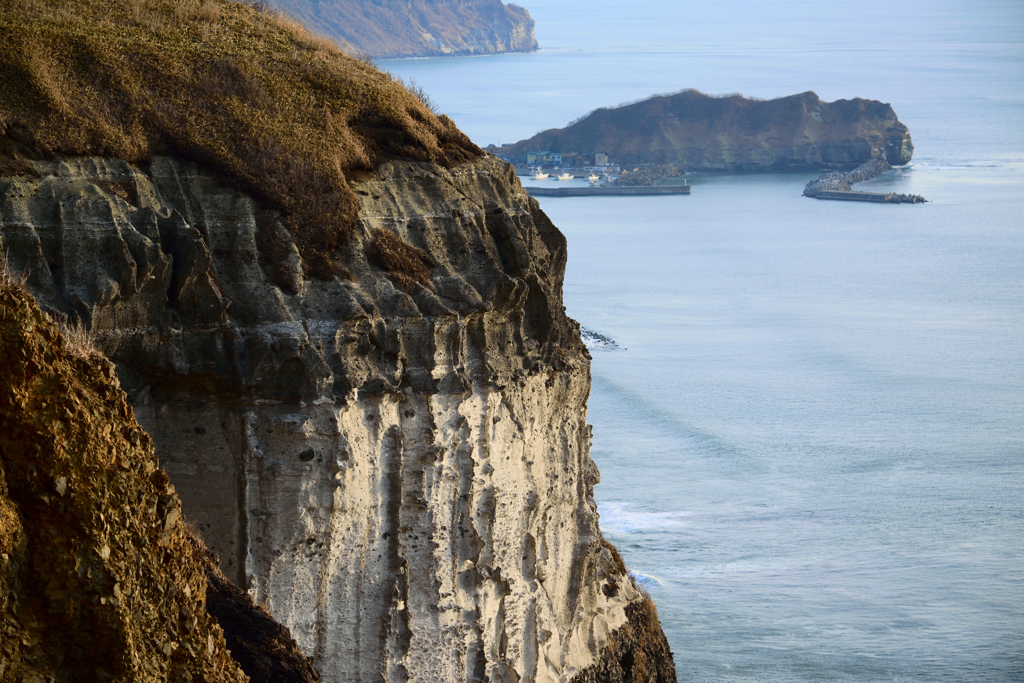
(620, 565)
(9, 277)
(208, 12)
(78, 339)
(407, 266)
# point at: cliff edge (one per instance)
(420, 28)
(373, 406)
(699, 132)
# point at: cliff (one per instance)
(373, 406)
(99, 577)
(703, 133)
(421, 28)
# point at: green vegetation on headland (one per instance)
(418, 28)
(246, 93)
(698, 132)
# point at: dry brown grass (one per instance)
(620, 564)
(78, 339)
(10, 278)
(406, 265)
(250, 95)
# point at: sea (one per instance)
(810, 422)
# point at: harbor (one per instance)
(606, 190)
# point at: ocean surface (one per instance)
(811, 434)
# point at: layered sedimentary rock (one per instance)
(398, 472)
(420, 28)
(703, 133)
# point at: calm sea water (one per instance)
(812, 436)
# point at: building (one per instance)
(600, 158)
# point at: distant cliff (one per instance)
(418, 28)
(734, 133)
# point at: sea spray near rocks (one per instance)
(597, 340)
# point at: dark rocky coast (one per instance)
(699, 132)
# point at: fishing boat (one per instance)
(565, 176)
(593, 178)
(539, 175)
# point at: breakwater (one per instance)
(840, 181)
(879, 197)
(838, 185)
(606, 190)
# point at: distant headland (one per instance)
(417, 28)
(692, 131)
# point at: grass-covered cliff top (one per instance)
(248, 94)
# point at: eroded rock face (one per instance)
(402, 479)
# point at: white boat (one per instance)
(539, 176)
(565, 176)
(593, 179)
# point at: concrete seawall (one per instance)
(605, 191)
(881, 197)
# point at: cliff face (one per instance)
(699, 132)
(420, 28)
(398, 471)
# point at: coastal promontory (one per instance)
(699, 132)
(418, 28)
(337, 349)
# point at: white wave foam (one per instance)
(619, 518)
(647, 581)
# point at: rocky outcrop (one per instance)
(420, 28)
(98, 580)
(703, 133)
(395, 466)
